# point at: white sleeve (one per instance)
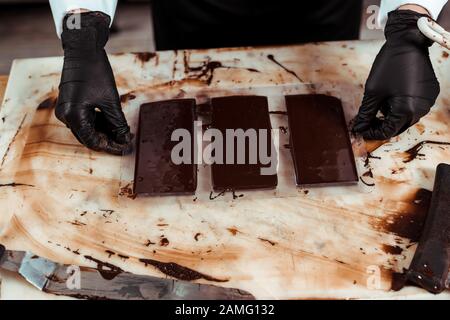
(434, 7)
(61, 7)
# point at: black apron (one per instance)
(193, 24)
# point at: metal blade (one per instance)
(94, 284)
(37, 270)
(108, 281)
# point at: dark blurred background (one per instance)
(27, 29)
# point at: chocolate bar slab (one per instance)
(155, 172)
(319, 140)
(242, 112)
(430, 265)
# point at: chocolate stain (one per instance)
(55, 278)
(214, 197)
(127, 97)
(77, 223)
(128, 192)
(395, 250)
(107, 213)
(144, 56)
(48, 103)
(367, 174)
(367, 159)
(12, 140)
(164, 242)
(179, 272)
(268, 241)
(14, 184)
(110, 253)
(149, 243)
(372, 145)
(445, 54)
(236, 196)
(272, 58)
(398, 170)
(413, 152)
(207, 68)
(107, 271)
(410, 224)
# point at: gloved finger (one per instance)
(104, 126)
(80, 119)
(403, 113)
(99, 141)
(367, 113)
(112, 119)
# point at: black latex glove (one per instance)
(88, 101)
(402, 84)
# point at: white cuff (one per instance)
(61, 7)
(434, 7)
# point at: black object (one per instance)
(242, 112)
(87, 84)
(156, 173)
(2, 251)
(402, 84)
(430, 265)
(181, 24)
(319, 140)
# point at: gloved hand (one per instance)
(88, 101)
(402, 84)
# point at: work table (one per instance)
(3, 82)
(62, 200)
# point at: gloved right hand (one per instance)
(402, 84)
(88, 101)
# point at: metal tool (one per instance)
(430, 265)
(107, 282)
(432, 30)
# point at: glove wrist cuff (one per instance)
(401, 29)
(85, 33)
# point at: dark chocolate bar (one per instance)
(319, 140)
(242, 112)
(430, 265)
(155, 172)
